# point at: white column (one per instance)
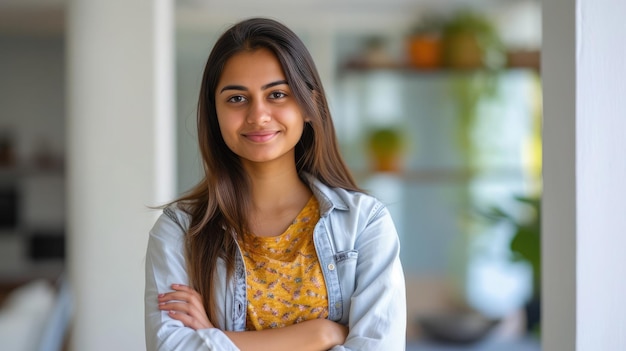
(601, 175)
(584, 172)
(120, 160)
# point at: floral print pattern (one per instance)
(284, 278)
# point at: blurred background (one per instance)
(437, 106)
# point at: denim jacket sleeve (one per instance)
(377, 317)
(165, 265)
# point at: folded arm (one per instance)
(185, 305)
(183, 325)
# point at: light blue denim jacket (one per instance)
(358, 249)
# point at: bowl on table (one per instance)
(456, 327)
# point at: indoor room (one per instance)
(462, 131)
(438, 108)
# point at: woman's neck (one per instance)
(272, 189)
(278, 195)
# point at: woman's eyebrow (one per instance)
(242, 88)
(273, 84)
(233, 87)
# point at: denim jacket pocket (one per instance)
(346, 271)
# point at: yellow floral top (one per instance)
(285, 284)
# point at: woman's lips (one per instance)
(259, 137)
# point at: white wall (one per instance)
(584, 172)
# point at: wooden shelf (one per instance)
(530, 60)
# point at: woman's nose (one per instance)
(259, 113)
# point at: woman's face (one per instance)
(258, 116)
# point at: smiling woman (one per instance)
(259, 118)
(276, 248)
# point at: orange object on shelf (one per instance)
(424, 51)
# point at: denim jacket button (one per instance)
(331, 267)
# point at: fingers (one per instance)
(185, 288)
(182, 293)
(185, 304)
(188, 320)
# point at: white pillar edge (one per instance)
(165, 87)
(558, 70)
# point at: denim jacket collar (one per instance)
(326, 196)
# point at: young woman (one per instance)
(276, 248)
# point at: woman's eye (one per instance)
(236, 99)
(277, 95)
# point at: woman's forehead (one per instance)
(257, 67)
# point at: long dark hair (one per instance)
(219, 203)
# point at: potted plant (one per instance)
(525, 246)
(386, 146)
(471, 41)
(423, 44)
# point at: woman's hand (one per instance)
(311, 335)
(185, 304)
(339, 333)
